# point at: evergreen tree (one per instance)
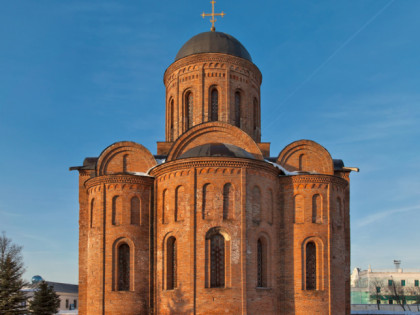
(12, 298)
(45, 301)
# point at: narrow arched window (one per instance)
(125, 163)
(123, 267)
(316, 209)
(217, 261)
(256, 205)
(256, 114)
(261, 264)
(171, 120)
(92, 207)
(171, 264)
(206, 200)
(179, 203)
(237, 109)
(116, 210)
(299, 209)
(339, 212)
(227, 201)
(165, 206)
(189, 110)
(135, 211)
(302, 162)
(214, 105)
(270, 207)
(310, 266)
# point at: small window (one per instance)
(217, 261)
(214, 105)
(389, 282)
(378, 289)
(310, 266)
(390, 302)
(416, 283)
(237, 109)
(403, 283)
(67, 303)
(75, 304)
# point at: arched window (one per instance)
(171, 120)
(165, 206)
(208, 195)
(228, 200)
(270, 207)
(135, 210)
(189, 110)
(302, 162)
(217, 261)
(256, 114)
(171, 264)
(299, 209)
(256, 205)
(116, 210)
(316, 209)
(261, 263)
(237, 109)
(339, 212)
(125, 162)
(123, 267)
(214, 105)
(92, 207)
(310, 266)
(179, 203)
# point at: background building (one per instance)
(67, 292)
(391, 286)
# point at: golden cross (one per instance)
(212, 14)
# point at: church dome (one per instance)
(213, 42)
(217, 150)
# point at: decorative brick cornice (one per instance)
(120, 179)
(212, 162)
(213, 57)
(314, 178)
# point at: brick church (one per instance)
(214, 223)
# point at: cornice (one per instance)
(314, 178)
(120, 179)
(213, 57)
(212, 162)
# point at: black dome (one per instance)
(213, 42)
(216, 149)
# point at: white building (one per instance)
(68, 293)
(394, 286)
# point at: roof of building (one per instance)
(216, 150)
(57, 286)
(213, 42)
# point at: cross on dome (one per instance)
(212, 14)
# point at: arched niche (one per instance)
(306, 156)
(214, 132)
(124, 157)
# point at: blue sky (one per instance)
(76, 76)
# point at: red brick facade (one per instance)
(214, 233)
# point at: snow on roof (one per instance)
(286, 172)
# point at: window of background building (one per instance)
(389, 282)
(403, 283)
(378, 289)
(75, 304)
(67, 303)
(390, 302)
(416, 283)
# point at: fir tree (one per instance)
(12, 298)
(45, 301)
